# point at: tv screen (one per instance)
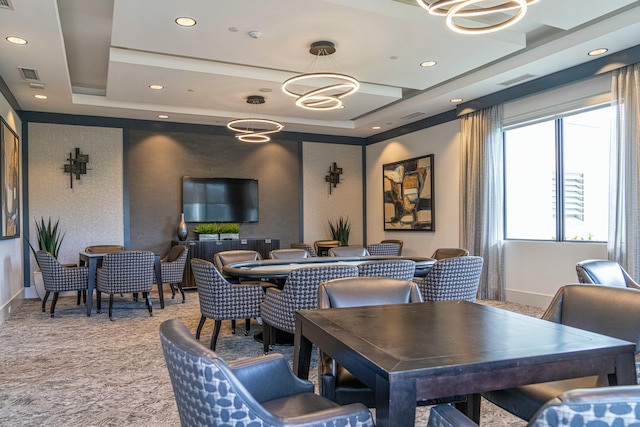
(219, 199)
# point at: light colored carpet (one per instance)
(74, 370)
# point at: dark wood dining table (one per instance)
(279, 269)
(94, 260)
(412, 352)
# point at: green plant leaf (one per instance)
(49, 237)
(340, 230)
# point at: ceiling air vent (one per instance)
(6, 4)
(517, 80)
(29, 74)
(412, 116)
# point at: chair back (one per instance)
(288, 253)
(220, 259)
(322, 246)
(307, 247)
(403, 269)
(53, 274)
(127, 272)
(300, 290)
(396, 241)
(452, 279)
(393, 249)
(604, 310)
(604, 272)
(214, 291)
(443, 253)
(172, 265)
(364, 291)
(206, 390)
(104, 249)
(348, 251)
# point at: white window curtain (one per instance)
(624, 206)
(481, 195)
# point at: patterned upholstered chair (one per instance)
(392, 249)
(336, 383)
(221, 300)
(604, 272)
(605, 310)
(443, 253)
(347, 251)
(403, 269)
(452, 278)
(172, 267)
(128, 272)
(300, 292)
(59, 278)
(260, 391)
(292, 253)
(617, 406)
(307, 247)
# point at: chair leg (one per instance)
(79, 296)
(98, 301)
(266, 336)
(173, 291)
(148, 297)
(214, 337)
(53, 303)
(233, 326)
(181, 291)
(110, 306)
(44, 300)
(200, 325)
(84, 296)
(247, 323)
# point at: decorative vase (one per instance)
(182, 229)
(38, 283)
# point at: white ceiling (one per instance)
(98, 57)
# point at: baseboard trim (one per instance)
(528, 298)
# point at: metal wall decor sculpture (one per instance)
(9, 180)
(77, 166)
(334, 176)
(408, 195)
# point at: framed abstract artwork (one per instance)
(408, 195)
(9, 181)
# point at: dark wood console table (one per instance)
(204, 249)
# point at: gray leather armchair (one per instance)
(604, 272)
(443, 253)
(220, 259)
(293, 253)
(348, 251)
(605, 407)
(260, 390)
(601, 309)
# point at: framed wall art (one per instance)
(9, 181)
(408, 195)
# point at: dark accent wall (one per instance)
(157, 161)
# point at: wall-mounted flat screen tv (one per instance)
(219, 199)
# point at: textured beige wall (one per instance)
(91, 213)
(345, 200)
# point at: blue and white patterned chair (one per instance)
(300, 292)
(59, 278)
(172, 267)
(601, 407)
(390, 249)
(128, 272)
(307, 247)
(260, 391)
(403, 269)
(452, 279)
(221, 300)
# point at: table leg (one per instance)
(470, 407)
(395, 403)
(93, 267)
(158, 272)
(625, 370)
(301, 353)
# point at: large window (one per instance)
(557, 177)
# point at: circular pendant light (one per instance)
(254, 130)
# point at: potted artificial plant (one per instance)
(340, 230)
(49, 239)
(207, 231)
(229, 231)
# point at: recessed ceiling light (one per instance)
(163, 116)
(40, 96)
(597, 52)
(456, 100)
(156, 87)
(428, 64)
(393, 57)
(265, 90)
(233, 29)
(185, 21)
(16, 40)
(376, 127)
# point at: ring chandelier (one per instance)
(253, 129)
(453, 9)
(331, 87)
